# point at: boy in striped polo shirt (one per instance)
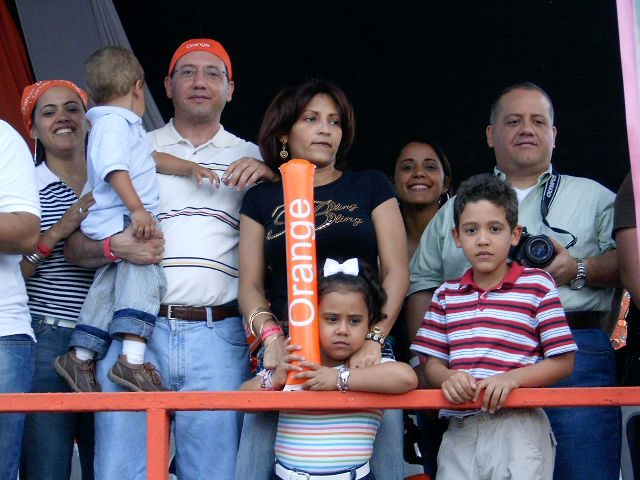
(500, 326)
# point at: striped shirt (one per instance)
(200, 223)
(517, 323)
(57, 287)
(326, 441)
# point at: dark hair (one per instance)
(442, 158)
(364, 283)
(286, 108)
(486, 187)
(495, 106)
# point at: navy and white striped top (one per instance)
(57, 287)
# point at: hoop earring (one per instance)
(283, 153)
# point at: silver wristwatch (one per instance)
(581, 278)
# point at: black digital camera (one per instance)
(536, 250)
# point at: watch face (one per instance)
(577, 283)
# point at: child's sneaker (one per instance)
(79, 374)
(138, 378)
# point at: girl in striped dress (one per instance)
(335, 444)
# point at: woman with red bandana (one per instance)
(54, 114)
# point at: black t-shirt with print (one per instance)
(344, 228)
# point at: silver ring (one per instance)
(80, 210)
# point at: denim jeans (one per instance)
(123, 298)
(16, 375)
(588, 437)
(47, 447)
(190, 356)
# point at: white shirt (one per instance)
(18, 193)
(200, 223)
(117, 142)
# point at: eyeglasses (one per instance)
(211, 73)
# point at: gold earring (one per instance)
(283, 153)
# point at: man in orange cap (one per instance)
(198, 341)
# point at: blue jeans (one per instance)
(191, 356)
(16, 375)
(588, 437)
(256, 453)
(47, 448)
(123, 298)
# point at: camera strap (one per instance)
(550, 190)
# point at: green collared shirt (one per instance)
(581, 206)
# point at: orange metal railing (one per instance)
(159, 405)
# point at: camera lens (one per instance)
(539, 251)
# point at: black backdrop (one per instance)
(430, 67)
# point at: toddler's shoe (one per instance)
(79, 374)
(138, 378)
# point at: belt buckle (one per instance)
(169, 315)
(293, 475)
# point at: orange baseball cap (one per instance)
(202, 45)
(33, 92)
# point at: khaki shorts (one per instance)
(510, 444)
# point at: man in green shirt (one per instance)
(522, 135)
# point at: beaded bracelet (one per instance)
(376, 335)
(267, 382)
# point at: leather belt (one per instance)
(198, 314)
(286, 474)
(583, 320)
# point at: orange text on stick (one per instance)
(302, 276)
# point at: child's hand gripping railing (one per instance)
(159, 405)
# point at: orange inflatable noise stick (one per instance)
(302, 274)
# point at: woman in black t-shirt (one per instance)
(356, 213)
(356, 216)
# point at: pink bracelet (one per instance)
(267, 382)
(272, 330)
(108, 253)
